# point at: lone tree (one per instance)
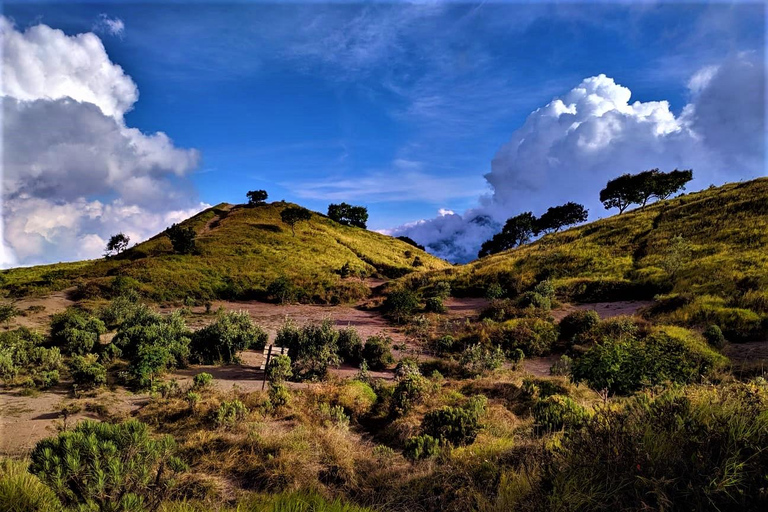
(348, 214)
(117, 244)
(293, 215)
(182, 239)
(108, 467)
(257, 197)
(640, 188)
(516, 231)
(558, 217)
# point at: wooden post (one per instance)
(266, 365)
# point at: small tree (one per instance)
(108, 467)
(257, 197)
(620, 193)
(559, 217)
(516, 231)
(182, 239)
(293, 215)
(8, 311)
(348, 214)
(117, 244)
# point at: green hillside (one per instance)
(703, 255)
(241, 251)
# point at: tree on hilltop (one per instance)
(293, 215)
(639, 188)
(348, 214)
(558, 217)
(516, 231)
(257, 197)
(117, 244)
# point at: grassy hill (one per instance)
(703, 255)
(241, 251)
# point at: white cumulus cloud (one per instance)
(568, 149)
(73, 172)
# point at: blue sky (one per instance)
(398, 107)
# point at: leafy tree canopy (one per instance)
(639, 188)
(117, 244)
(182, 239)
(348, 214)
(559, 217)
(257, 197)
(516, 231)
(293, 215)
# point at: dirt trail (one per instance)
(603, 309)
(37, 311)
(215, 221)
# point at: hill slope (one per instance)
(707, 250)
(241, 250)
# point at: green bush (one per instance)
(21, 491)
(441, 289)
(534, 300)
(578, 323)
(229, 414)
(279, 395)
(313, 348)
(76, 330)
(478, 360)
(714, 337)
(202, 380)
(494, 291)
(350, 346)
(434, 305)
(87, 372)
(421, 447)
(557, 412)
(408, 392)
(20, 354)
(400, 304)
(685, 449)
(533, 336)
(109, 467)
(279, 369)
(456, 425)
(224, 339)
(669, 354)
(282, 291)
(562, 366)
(444, 344)
(378, 352)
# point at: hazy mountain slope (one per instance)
(240, 251)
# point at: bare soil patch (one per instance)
(603, 309)
(37, 311)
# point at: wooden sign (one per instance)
(269, 351)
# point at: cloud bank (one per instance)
(568, 149)
(73, 172)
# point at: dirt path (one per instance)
(25, 420)
(603, 309)
(36, 312)
(215, 220)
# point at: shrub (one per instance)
(279, 369)
(445, 344)
(21, 491)
(478, 360)
(408, 392)
(668, 354)
(182, 238)
(441, 289)
(534, 300)
(685, 449)
(313, 348)
(87, 372)
(406, 366)
(557, 412)
(421, 447)
(434, 305)
(230, 414)
(20, 353)
(202, 380)
(104, 466)
(714, 337)
(223, 340)
(577, 324)
(279, 396)
(378, 352)
(455, 425)
(400, 304)
(282, 290)
(562, 366)
(350, 346)
(533, 336)
(494, 291)
(77, 331)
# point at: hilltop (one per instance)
(701, 255)
(241, 252)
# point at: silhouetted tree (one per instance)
(182, 239)
(620, 193)
(257, 197)
(117, 244)
(558, 217)
(671, 182)
(516, 231)
(293, 215)
(348, 214)
(411, 241)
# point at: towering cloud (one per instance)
(73, 171)
(568, 149)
